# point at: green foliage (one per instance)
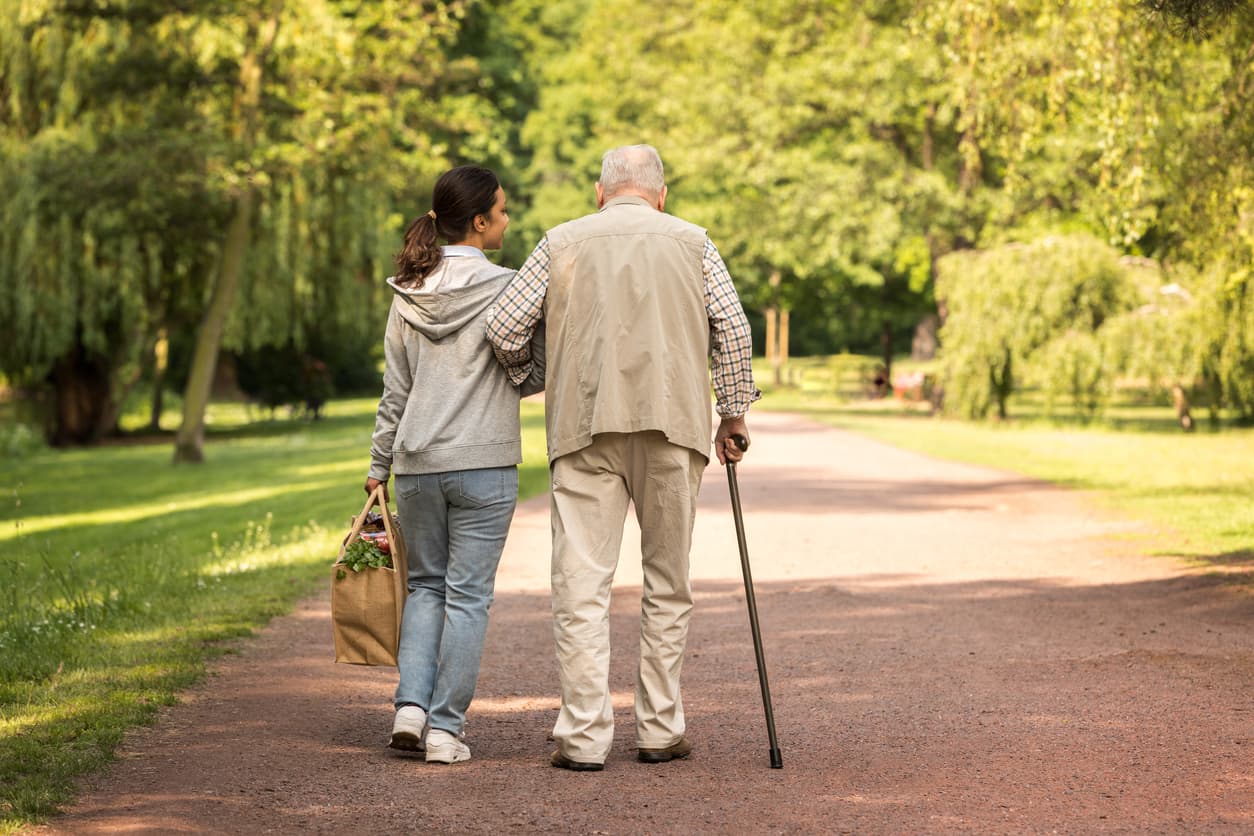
(93, 232)
(1194, 17)
(1227, 318)
(801, 155)
(842, 146)
(285, 376)
(1029, 309)
(127, 137)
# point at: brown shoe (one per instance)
(675, 751)
(562, 762)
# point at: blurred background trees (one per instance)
(187, 180)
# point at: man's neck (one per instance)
(649, 199)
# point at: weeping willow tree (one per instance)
(102, 168)
(1210, 216)
(335, 106)
(1024, 312)
(164, 162)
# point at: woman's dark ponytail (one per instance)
(420, 254)
(459, 195)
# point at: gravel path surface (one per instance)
(951, 649)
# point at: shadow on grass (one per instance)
(1235, 567)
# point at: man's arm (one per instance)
(534, 383)
(513, 318)
(731, 355)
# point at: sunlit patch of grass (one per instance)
(124, 573)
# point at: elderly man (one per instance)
(639, 309)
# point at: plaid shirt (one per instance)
(513, 320)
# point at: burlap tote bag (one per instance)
(366, 605)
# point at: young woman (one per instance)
(448, 430)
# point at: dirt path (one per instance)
(951, 649)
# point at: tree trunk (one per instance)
(970, 162)
(783, 352)
(161, 362)
(933, 248)
(925, 342)
(772, 331)
(1002, 386)
(886, 350)
(771, 315)
(189, 444)
(81, 398)
(929, 123)
(120, 388)
(1181, 402)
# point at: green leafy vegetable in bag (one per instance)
(365, 554)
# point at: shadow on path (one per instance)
(901, 705)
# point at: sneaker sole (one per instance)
(660, 757)
(406, 742)
(447, 757)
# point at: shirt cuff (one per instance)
(518, 374)
(738, 405)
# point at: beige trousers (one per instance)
(591, 488)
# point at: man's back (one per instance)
(627, 329)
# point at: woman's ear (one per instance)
(481, 223)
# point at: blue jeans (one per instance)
(454, 524)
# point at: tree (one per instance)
(93, 244)
(285, 142)
(336, 105)
(1029, 310)
(1195, 17)
(1160, 341)
(803, 156)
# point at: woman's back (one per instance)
(455, 406)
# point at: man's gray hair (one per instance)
(632, 167)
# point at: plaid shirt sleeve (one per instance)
(731, 344)
(513, 318)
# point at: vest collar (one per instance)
(628, 198)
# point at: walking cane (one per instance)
(777, 761)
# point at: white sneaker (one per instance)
(443, 747)
(409, 729)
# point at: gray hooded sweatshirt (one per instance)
(447, 404)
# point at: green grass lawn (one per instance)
(1197, 489)
(125, 573)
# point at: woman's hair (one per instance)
(459, 195)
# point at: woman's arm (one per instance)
(398, 379)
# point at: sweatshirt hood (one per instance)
(461, 287)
